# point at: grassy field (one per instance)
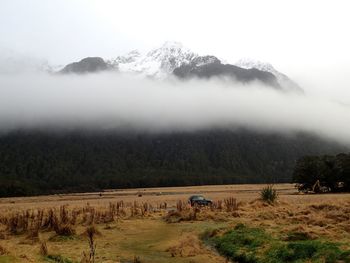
(156, 225)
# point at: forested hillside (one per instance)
(44, 162)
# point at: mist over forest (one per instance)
(110, 101)
(71, 133)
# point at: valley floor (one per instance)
(166, 229)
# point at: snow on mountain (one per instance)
(251, 63)
(285, 82)
(131, 57)
(158, 63)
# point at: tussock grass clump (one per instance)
(33, 233)
(175, 216)
(230, 204)
(217, 211)
(216, 205)
(49, 220)
(91, 232)
(65, 230)
(269, 194)
(188, 246)
(17, 223)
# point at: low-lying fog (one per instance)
(114, 101)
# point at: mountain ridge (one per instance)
(172, 58)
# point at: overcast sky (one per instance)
(304, 39)
(282, 32)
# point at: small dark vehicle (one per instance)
(199, 200)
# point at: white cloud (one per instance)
(113, 101)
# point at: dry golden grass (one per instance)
(126, 225)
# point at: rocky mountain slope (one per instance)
(285, 82)
(208, 66)
(86, 65)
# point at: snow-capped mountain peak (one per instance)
(173, 59)
(159, 62)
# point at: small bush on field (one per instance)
(245, 244)
(269, 194)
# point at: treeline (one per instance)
(326, 173)
(33, 162)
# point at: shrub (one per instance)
(269, 194)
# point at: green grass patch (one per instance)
(253, 245)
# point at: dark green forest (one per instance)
(42, 162)
(324, 173)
